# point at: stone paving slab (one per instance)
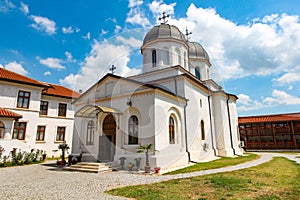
(47, 182)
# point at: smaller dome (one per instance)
(164, 31)
(197, 51)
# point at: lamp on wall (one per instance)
(129, 102)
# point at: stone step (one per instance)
(89, 167)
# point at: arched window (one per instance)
(171, 130)
(2, 128)
(184, 64)
(197, 73)
(202, 130)
(154, 60)
(90, 133)
(133, 130)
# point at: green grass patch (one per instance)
(277, 179)
(222, 162)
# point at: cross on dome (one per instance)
(112, 69)
(187, 34)
(164, 18)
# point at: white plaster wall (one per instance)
(222, 124)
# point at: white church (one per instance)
(173, 105)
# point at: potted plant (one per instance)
(122, 162)
(63, 147)
(130, 166)
(156, 169)
(145, 149)
(138, 163)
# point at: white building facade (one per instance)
(34, 115)
(173, 105)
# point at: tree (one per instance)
(145, 149)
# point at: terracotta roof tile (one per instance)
(9, 114)
(10, 76)
(270, 118)
(61, 91)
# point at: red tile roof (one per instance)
(270, 118)
(6, 75)
(9, 114)
(61, 91)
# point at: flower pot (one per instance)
(157, 169)
(147, 169)
(61, 162)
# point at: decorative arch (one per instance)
(174, 125)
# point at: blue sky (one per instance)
(254, 45)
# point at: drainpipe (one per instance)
(229, 121)
(211, 132)
(185, 130)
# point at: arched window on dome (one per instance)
(178, 56)
(154, 59)
(171, 130)
(197, 72)
(184, 64)
(133, 130)
(90, 133)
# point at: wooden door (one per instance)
(107, 142)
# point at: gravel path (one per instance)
(46, 182)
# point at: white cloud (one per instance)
(24, 8)
(266, 46)
(278, 98)
(158, 7)
(117, 29)
(69, 57)
(6, 6)
(103, 32)
(97, 64)
(282, 98)
(70, 29)
(43, 24)
(87, 36)
(16, 67)
(53, 63)
(135, 15)
(131, 41)
(47, 73)
(133, 3)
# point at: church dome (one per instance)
(197, 51)
(164, 31)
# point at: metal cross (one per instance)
(164, 17)
(187, 33)
(112, 69)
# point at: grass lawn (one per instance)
(222, 162)
(277, 179)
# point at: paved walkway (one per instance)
(45, 182)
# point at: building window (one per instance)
(197, 73)
(154, 60)
(2, 128)
(62, 109)
(60, 136)
(19, 130)
(90, 132)
(40, 133)
(202, 130)
(133, 130)
(44, 108)
(23, 99)
(171, 130)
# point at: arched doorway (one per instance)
(2, 128)
(107, 141)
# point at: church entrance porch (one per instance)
(107, 141)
